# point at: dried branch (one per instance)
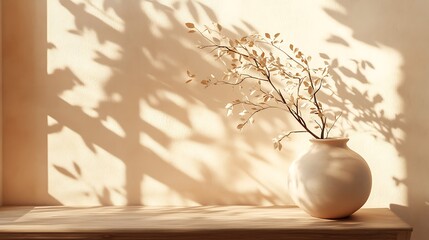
(289, 82)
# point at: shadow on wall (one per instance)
(143, 111)
(359, 108)
(401, 25)
(145, 75)
(146, 102)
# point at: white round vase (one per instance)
(330, 180)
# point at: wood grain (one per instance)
(208, 222)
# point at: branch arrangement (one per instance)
(269, 77)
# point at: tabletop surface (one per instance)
(135, 219)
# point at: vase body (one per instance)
(330, 180)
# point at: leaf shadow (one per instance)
(143, 75)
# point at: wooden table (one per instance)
(208, 222)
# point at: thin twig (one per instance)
(289, 133)
(336, 119)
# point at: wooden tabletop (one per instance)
(207, 222)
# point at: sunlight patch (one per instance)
(113, 125)
(206, 122)
(82, 173)
(169, 125)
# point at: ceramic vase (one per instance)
(330, 180)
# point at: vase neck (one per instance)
(333, 142)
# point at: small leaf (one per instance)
(229, 105)
(190, 74)
(267, 35)
(229, 112)
(242, 113)
(266, 98)
(316, 82)
(191, 31)
(232, 43)
(216, 40)
(280, 146)
(190, 80)
(291, 47)
(276, 144)
(240, 126)
(251, 120)
(324, 70)
(219, 27)
(276, 35)
(190, 25)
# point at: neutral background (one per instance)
(96, 112)
(1, 109)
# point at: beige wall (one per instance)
(1, 111)
(96, 111)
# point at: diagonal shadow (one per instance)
(400, 25)
(147, 65)
(359, 108)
